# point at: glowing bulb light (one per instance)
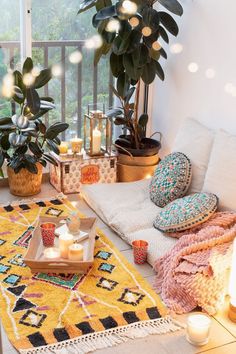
(210, 73)
(134, 21)
(176, 48)
(75, 57)
(229, 87)
(94, 42)
(193, 68)
(7, 87)
(156, 46)
(113, 26)
(146, 31)
(56, 70)
(28, 79)
(129, 7)
(35, 71)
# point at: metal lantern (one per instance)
(97, 132)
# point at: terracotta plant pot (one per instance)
(25, 183)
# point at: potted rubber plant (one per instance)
(131, 31)
(25, 140)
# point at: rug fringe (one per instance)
(33, 200)
(109, 338)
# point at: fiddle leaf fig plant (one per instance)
(25, 139)
(131, 33)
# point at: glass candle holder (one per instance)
(48, 233)
(198, 329)
(76, 145)
(63, 148)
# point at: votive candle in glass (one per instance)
(198, 329)
(63, 148)
(76, 145)
(65, 240)
(51, 253)
(76, 252)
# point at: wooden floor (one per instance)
(223, 332)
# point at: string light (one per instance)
(176, 48)
(134, 21)
(193, 67)
(57, 70)
(210, 73)
(113, 26)
(94, 42)
(146, 31)
(7, 87)
(35, 71)
(75, 57)
(156, 46)
(129, 7)
(28, 79)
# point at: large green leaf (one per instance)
(151, 18)
(132, 71)
(116, 64)
(103, 50)
(134, 40)
(123, 84)
(163, 53)
(100, 4)
(18, 80)
(163, 34)
(173, 6)
(106, 12)
(129, 95)
(5, 120)
(154, 54)
(120, 45)
(35, 149)
(53, 146)
(114, 112)
(43, 78)
(50, 159)
(149, 72)
(86, 4)
(56, 129)
(169, 23)
(31, 167)
(1, 173)
(33, 100)
(4, 142)
(159, 71)
(1, 159)
(27, 66)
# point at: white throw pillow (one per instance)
(221, 173)
(195, 141)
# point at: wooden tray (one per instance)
(36, 261)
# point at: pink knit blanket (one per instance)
(195, 272)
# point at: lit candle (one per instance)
(76, 145)
(97, 139)
(76, 252)
(51, 253)
(65, 241)
(198, 327)
(63, 147)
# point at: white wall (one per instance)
(208, 36)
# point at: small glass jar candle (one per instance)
(198, 328)
(76, 145)
(76, 252)
(65, 241)
(63, 148)
(51, 253)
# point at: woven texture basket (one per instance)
(25, 183)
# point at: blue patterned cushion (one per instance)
(171, 179)
(184, 213)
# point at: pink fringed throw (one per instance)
(195, 271)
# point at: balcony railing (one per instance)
(11, 52)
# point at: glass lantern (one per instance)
(97, 131)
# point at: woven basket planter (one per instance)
(25, 183)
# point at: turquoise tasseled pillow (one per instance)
(171, 179)
(185, 213)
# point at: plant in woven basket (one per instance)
(25, 140)
(131, 31)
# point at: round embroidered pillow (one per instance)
(171, 179)
(185, 213)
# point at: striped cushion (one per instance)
(171, 179)
(182, 214)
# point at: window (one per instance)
(57, 31)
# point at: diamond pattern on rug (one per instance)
(12, 279)
(106, 267)
(32, 319)
(131, 297)
(107, 284)
(4, 268)
(23, 304)
(54, 212)
(103, 255)
(24, 239)
(17, 260)
(17, 290)
(67, 281)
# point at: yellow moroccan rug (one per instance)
(48, 313)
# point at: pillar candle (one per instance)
(76, 252)
(198, 327)
(65, 240)
(97, 139)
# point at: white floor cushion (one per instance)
(195, 141)
(127, 209)
(221, 173)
